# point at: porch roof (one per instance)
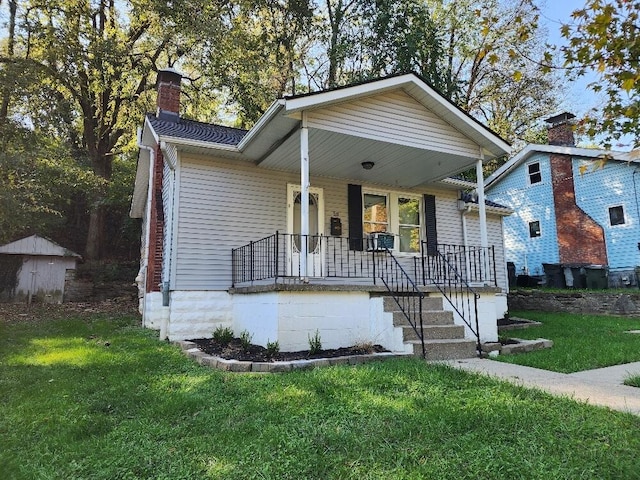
(412, 134)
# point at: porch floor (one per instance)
(316, 285)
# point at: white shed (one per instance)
(34, 269)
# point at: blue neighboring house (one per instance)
(576, 209)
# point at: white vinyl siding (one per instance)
(225, 204)
(395, 118)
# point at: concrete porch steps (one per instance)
(443, 340)
(444, 349)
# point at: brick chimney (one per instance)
(561, 129)
(168, 99)
(580, 238)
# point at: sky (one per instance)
(579, 98)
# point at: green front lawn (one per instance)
(99, 398)
(580, 342)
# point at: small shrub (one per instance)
(364, 347)
(315, 344)
(245, 340)
(273, 348)
(223, 335)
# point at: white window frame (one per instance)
(393, 215)
(529, 174)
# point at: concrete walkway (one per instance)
(603, 386)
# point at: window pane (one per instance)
(534, 173)
(616, 215)
(534, 229)
(314, 224)
(409, 211)
(409, 239)
(375, 208)
(375, 227)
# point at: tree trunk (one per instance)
(95, 235)
(6, 94)
(102, 166)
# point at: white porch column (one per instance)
(482, 211)
(304, 201)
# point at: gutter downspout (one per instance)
(142, 274)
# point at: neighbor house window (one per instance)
(616, 215)
(534, 229)
(534, 173)
(396, 214)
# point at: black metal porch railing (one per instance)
(279, 256)
(403, 290)
(471, 263)
(454, 288)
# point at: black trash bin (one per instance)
(511, 274)
(554, 274)
(597, 278)
(574, 275)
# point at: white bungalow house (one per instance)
(336, 213)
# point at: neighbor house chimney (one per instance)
(168, 100)
(561, 129)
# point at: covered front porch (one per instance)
(340, 265)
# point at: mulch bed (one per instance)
(256, 353)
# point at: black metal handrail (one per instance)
(255, 261)
(472, 263)
(404, 291)
(454, 288)
(279, 256)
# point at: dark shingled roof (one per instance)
(192, 130)
(469, 198)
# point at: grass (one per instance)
(633, 381)
(99, 398)
(580, 342)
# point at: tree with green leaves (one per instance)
(493, 50)
(83, 67)
(605, 38)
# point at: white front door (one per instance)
(314, 243)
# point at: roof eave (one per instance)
(184, 142)
(264, 120)
(503, 211)
(532, 148)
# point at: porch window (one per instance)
(396, 214)
(409, 224)
(376, 218)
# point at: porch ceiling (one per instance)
(340, 155)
